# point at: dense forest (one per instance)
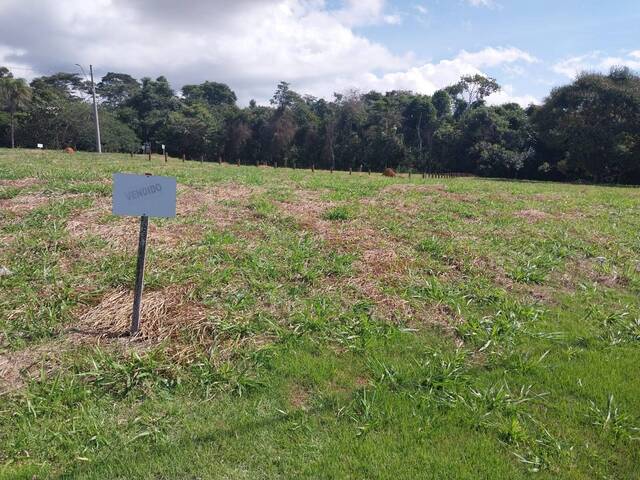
(587, 130)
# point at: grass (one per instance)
(317, 325)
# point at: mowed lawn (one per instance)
(317, 325)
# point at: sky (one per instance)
(325, 46)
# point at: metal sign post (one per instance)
(144, 196)
(137, 295)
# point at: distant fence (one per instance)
(446, 175)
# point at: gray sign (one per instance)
(144, 195)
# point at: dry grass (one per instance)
(299, 397)
(22, 204)
(164, 315)
(21, 182)
(532, 215)
(17, 367)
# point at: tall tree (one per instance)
(212, 93)
(473, 89)
(115, 89)
(15, 95)
(591, 128)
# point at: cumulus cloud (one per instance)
(430, 77)
(595, 61)
(249, 44)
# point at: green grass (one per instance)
(353, 326)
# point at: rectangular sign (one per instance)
(139, 195)
(40, 145)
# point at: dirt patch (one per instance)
(21, 182)
(589, 269)
(17, 367)
(308, 209)
(212, 203)
(532, 215)
(23, 204)
(440, 316)
(299, 397)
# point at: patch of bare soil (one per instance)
(440, 316)
(16, 367)
(210, 202)
(21, 182)
(23, 204)
(532, 215)
(589, 269)
(307, 208)
(299, 397)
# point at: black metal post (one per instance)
(142, 253)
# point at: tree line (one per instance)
(587, 130)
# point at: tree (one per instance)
(115, 89)
(152, 105)
(420, 126)
(212, 93)
(496, 141)
(15, 95)
(441, 100)
(475, 88)
(591, 128)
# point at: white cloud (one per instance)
(430, 77)
(595, 61)
(482, 3)
(365, 12)
(249, 44)
(507, 95)
(491, 57)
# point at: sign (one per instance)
(144, 195)
(40, 145)
(163, 146)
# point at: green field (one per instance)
(317, 325)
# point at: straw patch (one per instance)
(163, 314)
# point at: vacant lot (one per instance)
(300, 325)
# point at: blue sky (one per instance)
(325, 46)
(551, 31)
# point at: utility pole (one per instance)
(95, 112)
